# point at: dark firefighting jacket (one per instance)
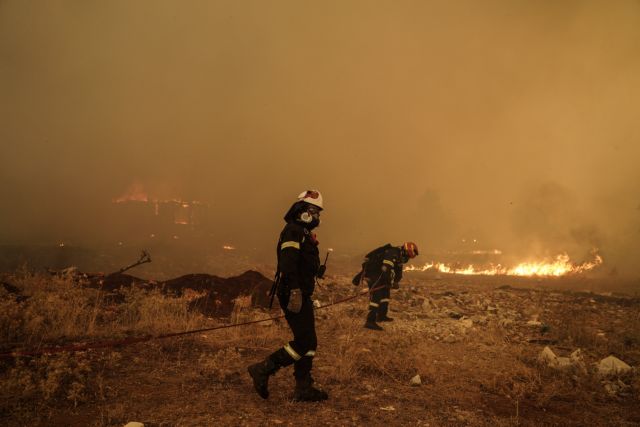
(384, 265)
(298, 259)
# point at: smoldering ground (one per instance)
(511, 124)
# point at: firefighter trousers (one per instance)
(379, 303)
(302, 349)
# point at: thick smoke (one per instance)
(459, 125)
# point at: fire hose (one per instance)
(135, 340)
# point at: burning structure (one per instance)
(138, 215)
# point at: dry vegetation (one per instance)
(478, 369)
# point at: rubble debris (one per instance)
(612, 366)
(134, 424)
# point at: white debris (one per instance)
(134, 424)
(416, 380)
(534, 323)
(612, 365)
(387, 408)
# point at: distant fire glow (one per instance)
(559, 266)
(229, 248)
(180, 211)
(135, 193)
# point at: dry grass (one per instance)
(488, 377)
(59, 311)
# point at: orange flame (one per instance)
(560, 266)
(135, 193)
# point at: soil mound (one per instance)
(114, 282)
(220, 292)
(219, 300)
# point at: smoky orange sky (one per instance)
(515, 123)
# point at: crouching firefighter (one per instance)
(298, 267)
(382, 270)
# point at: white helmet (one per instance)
(313, 197)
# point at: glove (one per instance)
(356, 279)
(395, 285)
(295, 301)
(321, 270)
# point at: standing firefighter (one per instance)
(298, 267)
(381, 270)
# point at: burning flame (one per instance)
(135, 193)
(560, 266)
(228, 248)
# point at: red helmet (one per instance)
(410, 248)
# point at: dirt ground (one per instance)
(474, 342)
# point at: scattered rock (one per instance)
(616, 388)
(466, 323)
(416, 381)
(548, 357)
(387, 408)
(612, 366)
(134, 424)
(450, 339)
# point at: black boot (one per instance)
(371, 322)
(382, 313)
(306, 392)
(260, 373)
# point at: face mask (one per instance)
(311, 217)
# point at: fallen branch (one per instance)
(144, 258)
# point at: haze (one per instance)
(511, 123)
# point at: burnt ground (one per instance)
(473, 341)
